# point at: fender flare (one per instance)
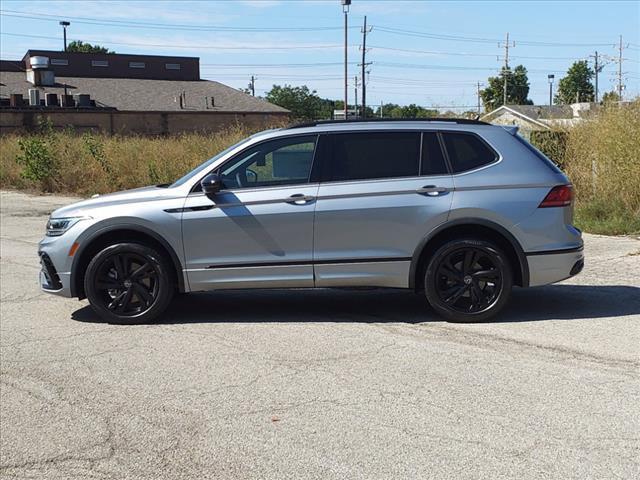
(522, 259)
(175, 260)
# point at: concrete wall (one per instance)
(129, 122)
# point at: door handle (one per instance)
(432, 190)
(299, 199)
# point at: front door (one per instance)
(258, 231)
(381, 193)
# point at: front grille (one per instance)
(50, 274)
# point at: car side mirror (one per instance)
(211, 184)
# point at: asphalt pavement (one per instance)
(324, 384)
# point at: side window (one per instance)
(432, 158)
(371, 155)
(466, 151)
(279, 162)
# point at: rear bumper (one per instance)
(554, 266)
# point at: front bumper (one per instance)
(552, 267)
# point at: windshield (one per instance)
(207, 164)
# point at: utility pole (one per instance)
(345, 9)
(364, 65)
(355, 84)
(478, 99)
(506, 67)
(620, 86)
(64, 24)
(550, 77)
(596, 69)
(252, 86)
(381, 107)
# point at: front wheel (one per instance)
(468, 280)
(128, 283)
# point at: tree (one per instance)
(610, 97)
(576, 86)
(78, 46)
(391, 110)
(517, 89)
(303, 103)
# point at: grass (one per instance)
(600, 155)
(602, 158)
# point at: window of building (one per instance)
(432, 158)
(99, 63)
(371, 155)
(172, 66)
(137, 65)
(466, 151)
(59, 61)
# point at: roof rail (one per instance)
(461, 121)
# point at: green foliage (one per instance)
(576, 86)
(392, 110)
(303, 103)
(37, 161)
(517, 89)
(95, 148)
(553, 143)
(78, 46)
(610, 97)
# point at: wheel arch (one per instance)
(469, 227)
(116, 233)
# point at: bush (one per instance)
(37, 161)
(602, 158)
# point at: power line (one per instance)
(191, 47)
(161, 26)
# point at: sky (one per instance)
(431, 53)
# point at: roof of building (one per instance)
(533, 112)
(146, 95)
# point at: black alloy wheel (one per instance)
(128, 283)
(468, 280)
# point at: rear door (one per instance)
(381, 192)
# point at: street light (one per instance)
(550, 77)
(345, 9)
(65, 24)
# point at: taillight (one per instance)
(560, 196)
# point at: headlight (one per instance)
(57, 226)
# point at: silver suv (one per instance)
(457, 209)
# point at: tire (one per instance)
(129, 283)
(468, 280)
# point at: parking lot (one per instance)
(319, 384)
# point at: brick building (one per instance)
(118, 93)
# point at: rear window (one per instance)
(466, 151)
(361, 156)
(432, 158)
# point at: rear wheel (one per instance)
(128, 283)
(468, 280)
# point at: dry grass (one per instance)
(94, 163)
(602, 158)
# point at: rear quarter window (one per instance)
(467, 151)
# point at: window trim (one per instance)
(443, 152)
(173, 66)
(497, 159)
(309, 181)
(99, 63)
(59, 62)
(327, 161)
(138, 65)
